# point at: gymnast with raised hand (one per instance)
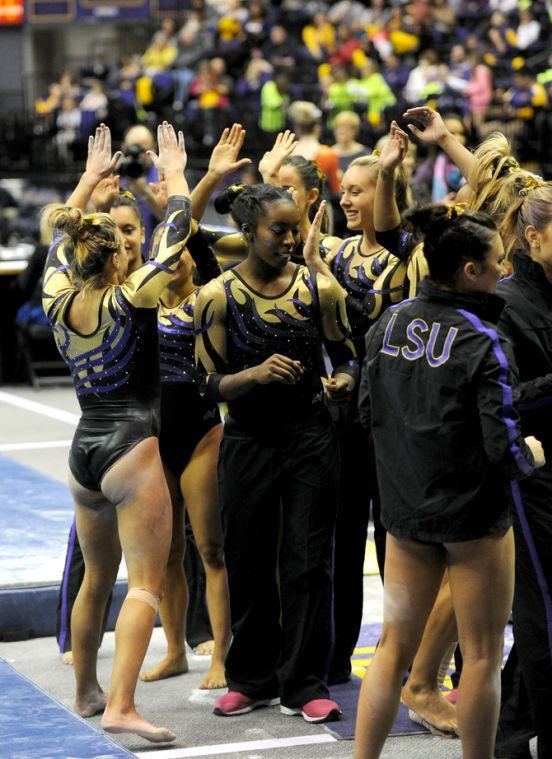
(105, 326)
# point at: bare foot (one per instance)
(67, 657)
(214, 678)
(90, 703)
(432, 710)
(206, 648)
(168, 667)
(134, 723)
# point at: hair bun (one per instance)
(223, 202)
(68, 220)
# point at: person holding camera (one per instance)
(137, 172)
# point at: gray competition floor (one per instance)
(176, 703)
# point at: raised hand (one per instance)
(311, 249)
(172, 156)
(271, 162)
(434, 127)
(105, 193)
(100, 162)
(395, 148)
(159, 190)
(224, 158)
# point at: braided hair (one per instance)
(90, 241)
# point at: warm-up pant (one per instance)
(532, 613)
(357, 489)
(198, 627)
(278, 494)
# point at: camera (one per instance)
(134, 163)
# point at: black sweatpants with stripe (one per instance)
(278, 494)
(532, 613)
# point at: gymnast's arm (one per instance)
(144, 286)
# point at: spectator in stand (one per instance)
(97, 69)
(344, 46)
(248, 89)
(528, 31)
(211, 89)
(426, 71)
(349, 12)
(95, 101)
(346, 127)
(68, 122)
(69, 87)
(191, 46)
(274, 103)
(280, 49)
(479, 90)
(372, 90)
(395, 73)
(307, 125)
(501, 36)
(48, 105)
(319, 37)
(159, 56)
(257, 24)
(340, 92)
(459, 64)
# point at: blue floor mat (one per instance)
(34, 726)
(35, 516)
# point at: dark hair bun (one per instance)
(423, 218)
(223, 202)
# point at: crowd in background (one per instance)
(484, 60)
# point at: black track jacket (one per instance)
(527, 322)
(438, 383)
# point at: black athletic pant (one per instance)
(198, 627)
(73, 575)
(533, 610)
(357, 488)
(278, 495)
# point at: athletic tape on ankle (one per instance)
(141, 594)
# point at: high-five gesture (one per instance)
(172, 151)
(271, 162)
(171, 159)
(99, 165)
(311, 249)
(434, 130)
(106, 193)
(224, 158)
(394, 150)
(99, 160)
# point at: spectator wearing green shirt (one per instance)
(274, 102)
(340, 97)
(372, 89)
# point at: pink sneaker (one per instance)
(234, 703)
(452, 696)
(318, 710)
